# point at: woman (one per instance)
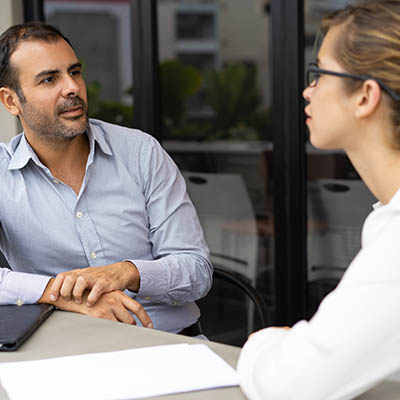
(353, 341)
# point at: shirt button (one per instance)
(79, 214)
(55, 181)
(93, 254)
(19, 302)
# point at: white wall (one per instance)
(11, 13)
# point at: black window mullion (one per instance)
(33, 10)
(146, 88)
(289, 161)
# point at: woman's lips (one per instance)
(308, 116)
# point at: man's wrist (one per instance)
(45, 297)
(134, 280)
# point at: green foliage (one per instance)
(233, 94)
(115, 112)
(93, 95)
(178, 81)
(261, 121)
(191, 130)
(110, 111)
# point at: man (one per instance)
(101, 208)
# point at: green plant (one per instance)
(110, 111)
(233, 95)
(178, 81)
(261, 121)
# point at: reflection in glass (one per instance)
(100, 34)
(195, 25)
(216, 103)
(215, 72)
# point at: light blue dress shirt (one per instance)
(132, 205)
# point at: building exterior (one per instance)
(212, 33)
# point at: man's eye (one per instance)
(76, 72)
(49, 79)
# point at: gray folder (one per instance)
(17, 323)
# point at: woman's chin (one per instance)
(321, 144)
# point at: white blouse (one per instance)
(353, 340)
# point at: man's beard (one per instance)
(54, 129)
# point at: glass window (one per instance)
(216, 101)
(338, 200)
(195, 25)
(100, 32)
(215, 70)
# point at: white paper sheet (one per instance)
(128, 374)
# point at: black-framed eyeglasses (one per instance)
(314, 73)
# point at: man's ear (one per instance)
(10, 101)
(368, 98)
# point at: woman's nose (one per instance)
(307, 92)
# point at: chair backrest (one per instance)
(336, 211)
(252, 293)
(231, 294)
(226, 215)
(3, 261)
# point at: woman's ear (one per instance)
(368, 98)
(10, 101)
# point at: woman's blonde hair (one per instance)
(369, 44)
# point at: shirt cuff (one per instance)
(22, 288)
(154, 277)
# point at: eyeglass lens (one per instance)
(312, 78)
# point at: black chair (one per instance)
(3, 261)
(250, 291)
(225, 310)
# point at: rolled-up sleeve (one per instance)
(181, 271)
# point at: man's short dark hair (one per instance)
(9, 41)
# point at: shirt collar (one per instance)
(95, 135)
(394, 202)
(23, 152)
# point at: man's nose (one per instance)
(70, 87)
